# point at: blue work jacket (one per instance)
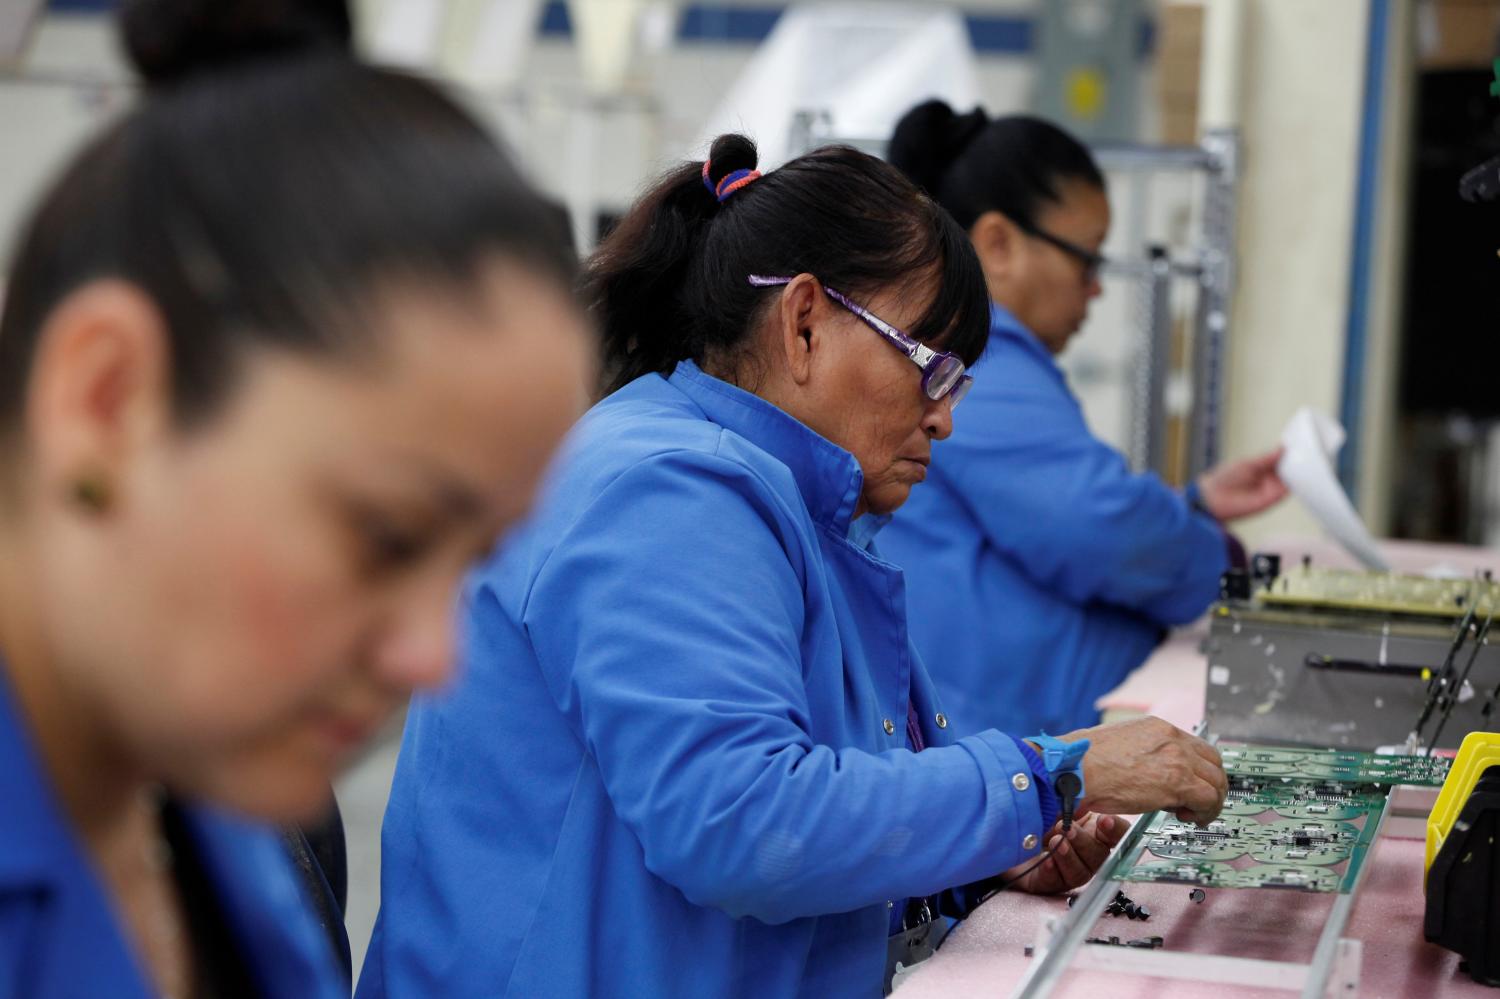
(675, 762)
(59, 938)
(1040, 569)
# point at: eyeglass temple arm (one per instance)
(915, 349)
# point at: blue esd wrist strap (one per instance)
(1061, 757)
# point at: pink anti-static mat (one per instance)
(985, 955)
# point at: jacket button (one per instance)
(1020, 782)
(942, 720)
(889, 726)
(1029, 843)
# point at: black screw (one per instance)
(1198, 895)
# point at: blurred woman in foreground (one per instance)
(283, 350)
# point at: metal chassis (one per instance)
(1333, 970)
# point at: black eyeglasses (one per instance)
(1092, 262)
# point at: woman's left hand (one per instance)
(1075, 856)
(1241, 488)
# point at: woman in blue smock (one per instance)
(1043, 570)
(691, 751)
(255, 343)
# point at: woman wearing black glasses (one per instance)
(1042, 569)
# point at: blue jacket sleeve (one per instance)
(1066, 508)
(668, 623)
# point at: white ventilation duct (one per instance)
(485, 42)
(604, 33)
(862, 64)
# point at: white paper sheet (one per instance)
(1311, 440)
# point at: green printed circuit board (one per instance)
(1294, 818)
(1310, 588)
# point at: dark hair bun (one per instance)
(170, 40)
(928, 138)
(731, 152)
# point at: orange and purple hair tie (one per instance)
(733, 181)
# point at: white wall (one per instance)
(1304, 82)
(71, 80)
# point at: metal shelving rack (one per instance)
(1210, 266)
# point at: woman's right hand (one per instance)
(1146, 764)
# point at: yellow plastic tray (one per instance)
(1479, 751)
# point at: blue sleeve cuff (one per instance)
(1194, 497)
(1046, 797)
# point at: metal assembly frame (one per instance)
(1334, 969)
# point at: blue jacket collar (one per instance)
(862, 532)
(827, 476)
(1005, 326)
(31, 848)
(39, 852)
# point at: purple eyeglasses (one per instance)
(942, 373)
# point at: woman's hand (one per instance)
(1242, 487)
(1144, 764)
(1075, 855)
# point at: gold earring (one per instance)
(91, 492)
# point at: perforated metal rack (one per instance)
(1333, 970)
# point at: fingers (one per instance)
(1080, 852)
(1197, 816)
(1200, 781)
(1073, 867)
(1204, 750)
(1211, 771)
(1070, 866)
(1202, 801)
(1109, 829)
(1268, 461)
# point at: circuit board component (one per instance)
(1380, 592)
(1294, 818)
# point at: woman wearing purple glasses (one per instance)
(1043, 569)
(692, 752)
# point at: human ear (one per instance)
(997, 241)
(801, 304)
(98, 392)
